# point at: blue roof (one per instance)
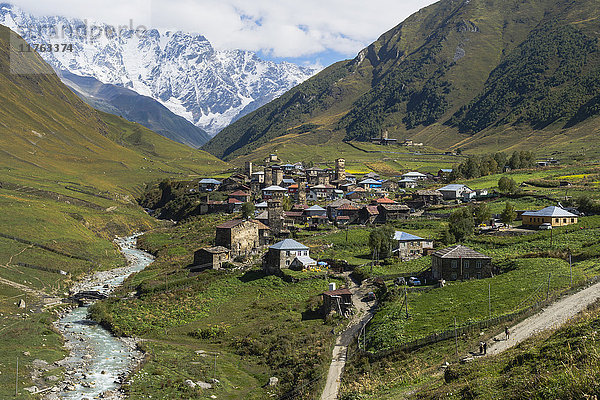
(288, 244)
(405, 237)
(288, 180)
(210, 181)
(315, 208)
(446, 170)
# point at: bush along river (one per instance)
(98, 361)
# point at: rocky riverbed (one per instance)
(98, 362)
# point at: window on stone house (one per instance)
(478, 264)
(454, 264)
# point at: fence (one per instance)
(479, 325)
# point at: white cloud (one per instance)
(282, 28)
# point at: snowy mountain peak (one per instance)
(208, 87)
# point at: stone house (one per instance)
(408, 183)
(281, 254)
(392, 212)
(208, 185)
(274, 192)
(240, 236)
(428, 197)
(369, 183)
(455, 191)
(410, 246)
(460, 262)
(417, 176)
(368, 215)
(240, 195)
(210, 257)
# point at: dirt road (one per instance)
(46, 299)
(340, 350)
(550, 317)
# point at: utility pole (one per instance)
(406, 301)
(571, 268)
(17, 379)
(455, 337)
(548, 294)
(215, 369)
(490, 299)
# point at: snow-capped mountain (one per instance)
(208, 87)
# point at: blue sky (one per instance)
(303, 32)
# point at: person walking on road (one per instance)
(480, 347)
(506, 332)
(484, 348)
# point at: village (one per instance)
(277, 203)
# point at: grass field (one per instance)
(260, 326)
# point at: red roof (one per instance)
(348, 207)
(234, 201)
(342, 217)
(385, 200)
(239, 193)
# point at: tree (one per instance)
(447, 238)
(461, 223)
(507, 185)
(381, 241)
(482, 213)
(247, 209)
(286, 204)
(508, 214)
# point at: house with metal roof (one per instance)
(553, 215)
(460, 262)
(410, 246)
(315, 211)
(273, 192)
(208, 185)
(369, 183)
(455, 191)
(281, 254)
(408, 183)
(414, 175)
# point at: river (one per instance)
(97, 360)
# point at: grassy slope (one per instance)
(68, 176)
(399, 76)
(261, 325)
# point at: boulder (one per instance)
(273, 381)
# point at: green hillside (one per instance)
(68, 178)
(452, 74)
